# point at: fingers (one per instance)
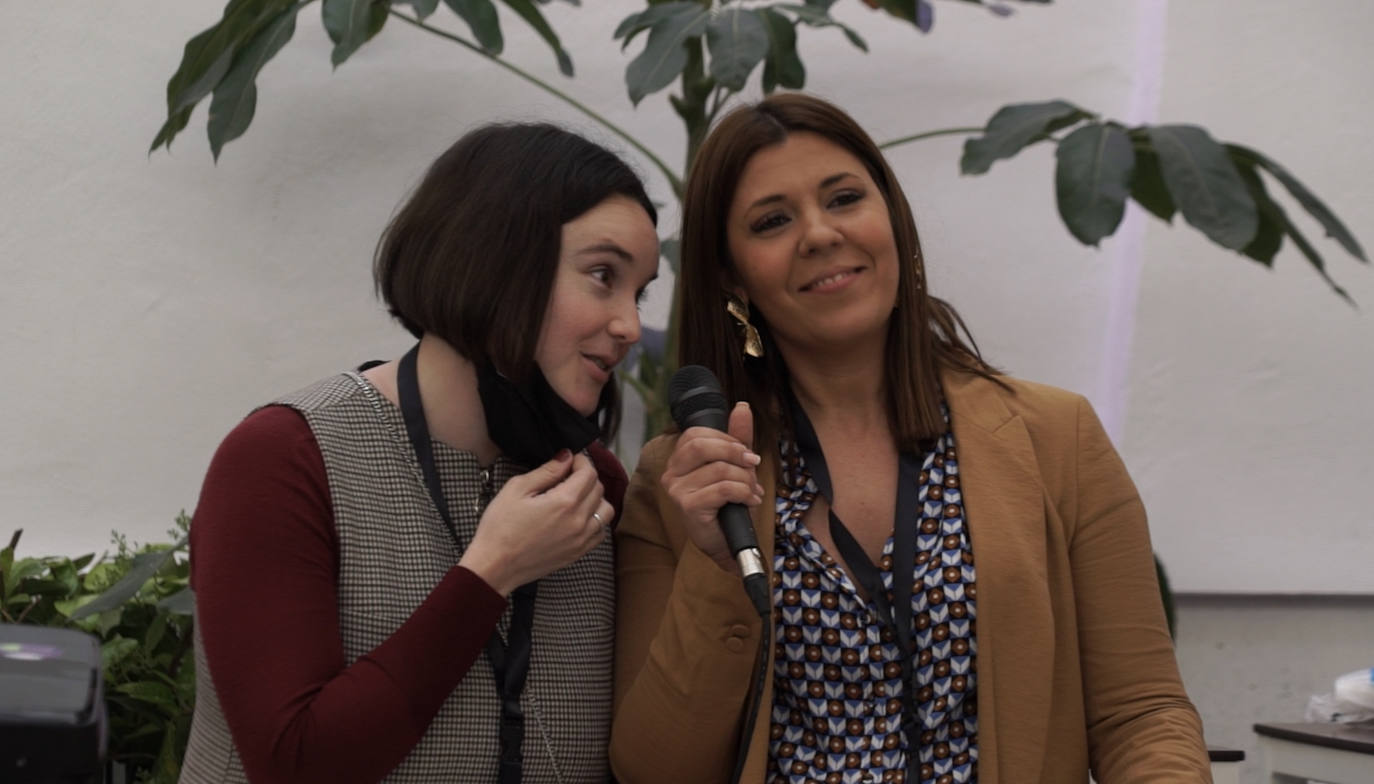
(550, 474)
(742, 423)
(701, 446)
(710, 498)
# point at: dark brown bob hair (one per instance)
(923, 333)
(472, 254)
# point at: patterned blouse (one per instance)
(838, 695)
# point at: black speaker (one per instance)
(52, 709)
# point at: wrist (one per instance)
(489, 570)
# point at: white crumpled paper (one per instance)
(1352, 700)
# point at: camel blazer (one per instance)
(1076, 668)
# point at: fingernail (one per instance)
(751, 458)
(742, 404)
(563, 456)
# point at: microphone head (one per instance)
(695, 398)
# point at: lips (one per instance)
(832, 280)
(601, 366)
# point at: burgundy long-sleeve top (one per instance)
(264, 567)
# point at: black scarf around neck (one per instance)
(529, 421)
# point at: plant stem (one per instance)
(673, 180)
(929, 135)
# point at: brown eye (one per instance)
(846, 197)
(767, 222)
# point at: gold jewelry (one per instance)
(753, 344)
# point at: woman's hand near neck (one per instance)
(448, 391)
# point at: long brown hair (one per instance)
(923, 333)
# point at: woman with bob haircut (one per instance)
(962, 586)
(405, 574)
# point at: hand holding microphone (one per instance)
(711, 477)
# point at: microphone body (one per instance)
(696, 400)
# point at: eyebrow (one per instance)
(615, 250)
(825, 183)
(607, 247)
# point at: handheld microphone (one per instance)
(696, 400)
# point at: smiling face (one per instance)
(813, 247)
(607, 256)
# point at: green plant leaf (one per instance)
(68, 606)
(156, 630)
(818, 15)
(738, 41)
(1147, 186)
(1092, 180)
(236, 96)
(106, 621)
(348, 24)
(783, 67)
(144, 566)
(54, 589)
(1309, 201)
(665, 53)
(1271, 212)
(8, 582)
(102, 576)
(634, 24)
(1204, 184)
(182, 602)
(149, 691)
(482, 20)
(1269, 236)
(175, 124)
(1014, 127)
(1166, 595)
(207, 57)
(116, 650)
(902, 9)
(19, 571)
(531, 14)
(423, 8)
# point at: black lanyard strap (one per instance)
(510, 660)
(895, 614)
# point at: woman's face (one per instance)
(607, 255)
(812, 245)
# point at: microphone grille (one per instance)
(692, 389)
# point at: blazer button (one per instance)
(738, 634)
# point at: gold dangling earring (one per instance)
(753, 344)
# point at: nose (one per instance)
(624, 325)
(819, 233)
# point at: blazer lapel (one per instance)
(765, 523)
(1004, 507)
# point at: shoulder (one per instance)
(992, 402)
(272, 435)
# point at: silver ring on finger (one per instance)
(605, 529)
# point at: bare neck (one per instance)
(448, 392)
(847, 392)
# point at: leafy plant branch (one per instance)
(711, 49)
